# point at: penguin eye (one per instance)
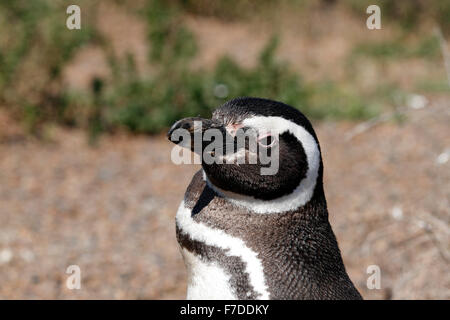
(266, 141)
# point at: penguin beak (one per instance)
(194, 128)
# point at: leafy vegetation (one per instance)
(36, 50)
(427, 47)
(32, 56)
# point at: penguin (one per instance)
(244, 235)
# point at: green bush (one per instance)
(428, 47)
(32, 56)
(41, 44)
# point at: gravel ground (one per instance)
(110, 210)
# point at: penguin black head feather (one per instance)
(281, 131)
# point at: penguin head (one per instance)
(282, 134)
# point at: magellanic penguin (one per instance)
(244, 235)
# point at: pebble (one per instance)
(6, 256)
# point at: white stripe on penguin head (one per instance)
(303, 192)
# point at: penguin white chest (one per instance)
(206, 280)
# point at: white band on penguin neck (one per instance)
(303, 193)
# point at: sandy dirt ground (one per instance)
(110, 210)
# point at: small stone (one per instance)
(221, 91)
(443, 157)
(397, 213)
(417, 101)
(6, 256)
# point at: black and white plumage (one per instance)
(244, 235)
